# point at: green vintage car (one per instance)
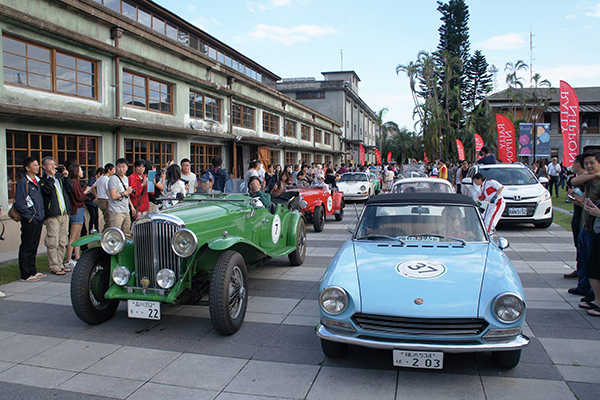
(195, 252)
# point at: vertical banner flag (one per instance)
(461, 150)
(377, 157)
(362, 155)
(569, 123)
(478, 143)
(506, 139)
(526, 140)
(425, 159)
(389, 156)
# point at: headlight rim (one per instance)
(123, 240)
(194, 246)
(128, 274)
(173, 275)
(363, 188)
(346, 299)
(507, 294)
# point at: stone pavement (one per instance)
(46, 351)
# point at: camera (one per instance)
(134, 191)
(60, 169)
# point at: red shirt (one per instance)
(136, 183)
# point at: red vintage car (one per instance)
(321, 202)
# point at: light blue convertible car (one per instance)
(421, 277)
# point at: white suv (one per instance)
(526, 199)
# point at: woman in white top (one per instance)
(388, 179)
(173, 185)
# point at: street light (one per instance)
(583, 131)
(441, 137)
(534, 116)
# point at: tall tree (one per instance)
(478, 80)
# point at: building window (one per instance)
(309, 95)
(19, 145)
(44, 68)
(274, 157)
(318, 134)
(290, 129)
(291, 158)
(201, 156)
(327, 160)
(305, 132)
(327, 140)
(242, 116)
(148, 93)
(204, 107)
(270, 123)
(318, 159)
(306, 158)
(159, 153)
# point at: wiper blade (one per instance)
(378, 236)
(437, 235)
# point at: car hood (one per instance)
(390, 283)
(352, 184)
(527, 192)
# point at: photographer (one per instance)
(119, 192)
(139, 196)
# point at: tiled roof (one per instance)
(584, 94)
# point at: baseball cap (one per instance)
(207, 177)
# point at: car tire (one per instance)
(544, 224)
(229, 282)
(506, 359)
(89, 282)
(319, 219)
(333, 349)
(340, 216)
(297, 256)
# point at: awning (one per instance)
(583, 108)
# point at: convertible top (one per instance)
(424, 198)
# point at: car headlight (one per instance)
(545, 196)
(509, 307)
(363, 188)
(184, 243)
(121, 275)
(165, 278)
(113, 241)
(333, 300)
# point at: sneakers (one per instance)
(2, 295)
(69, 265)
(578, 291)
(571, 275)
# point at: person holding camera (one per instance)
(29, 202)
(118, 203)
(56, 186)
(139, 196)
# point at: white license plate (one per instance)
(143, 309)
(418, 359)
(517, 211)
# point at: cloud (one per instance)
(595, 11)
(192, 7)
(205, 23)
(287, 36)
(270, 4)
(583, 73)
(509, 41)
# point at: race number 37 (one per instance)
(421, 269)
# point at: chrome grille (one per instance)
(420, 326)
(152, 244)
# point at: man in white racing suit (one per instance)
(491, 192)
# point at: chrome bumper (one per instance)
(348, 338)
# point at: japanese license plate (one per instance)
(143, 309)
(418, 359)
(517, 211)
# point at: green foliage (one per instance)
(10, 272)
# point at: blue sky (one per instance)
(302, 38)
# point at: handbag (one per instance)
(13, 213)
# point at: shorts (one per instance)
(77, 218)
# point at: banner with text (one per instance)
(377, 157)
(506, 139)
(526, 141)
(478, 143)
(569, 123)
(461, 150)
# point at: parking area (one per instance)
(46, 351)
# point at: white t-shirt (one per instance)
(552, 170)
(192, 182)
(119, 205)
(250, 173)
(101, 186)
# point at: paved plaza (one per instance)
(47, 352)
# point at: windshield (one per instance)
(418, 222)
(236, 186)
(510, 176)
(353, 178)
(421, 187)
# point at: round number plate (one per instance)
(421, 269)
(276, 229)
(329, 203)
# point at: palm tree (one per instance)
(514, 81)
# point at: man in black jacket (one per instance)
(57, 207)
(30, 204)
(221, 176)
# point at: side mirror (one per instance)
(467, 181)
(543, 180)
(503, 243)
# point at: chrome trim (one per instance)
(160, 218)
(419, 326)
(503, 294)
(350, 338)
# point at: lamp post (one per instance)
(534, 116)
(582, 131)
(441, 138)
